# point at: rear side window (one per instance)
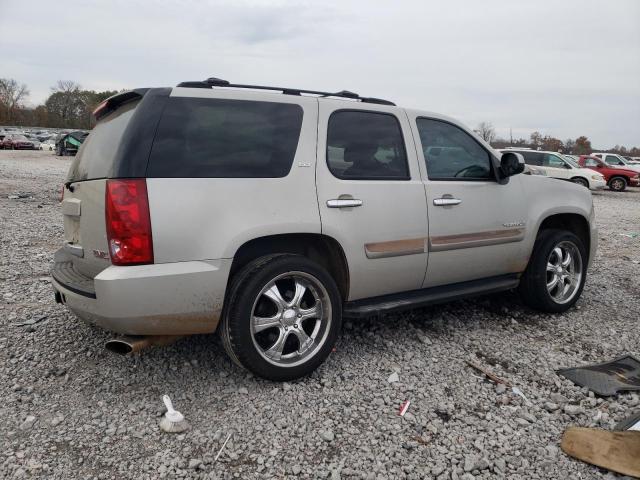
(532, 158)
(451, 153)
(204, 137)
(96, 156)
(366, 146)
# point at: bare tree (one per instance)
(569, 145)
(486, 131)
(12, 95)
(66, 86)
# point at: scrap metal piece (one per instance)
(608, 378)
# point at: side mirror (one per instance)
(599, 165)
(511, 163)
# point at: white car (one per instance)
(615, 160)
(560, 166)
(49, 144)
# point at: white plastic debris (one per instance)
(173, 421)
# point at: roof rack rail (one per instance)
(217, 82)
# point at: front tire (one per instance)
(618, 184)
(282, 317)
(555, 276)
(580, 181)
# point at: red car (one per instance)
(17, 142)
(616, 178)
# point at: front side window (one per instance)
(613, 160)
(451, 153)
(366, 146)
(552, 161)
(206, 137)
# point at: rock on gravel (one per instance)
(72, 410)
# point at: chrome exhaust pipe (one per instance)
(130, 345)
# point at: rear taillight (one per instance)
(128, 222)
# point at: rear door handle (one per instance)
(344, 203)
(444, 201)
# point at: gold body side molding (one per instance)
(413, 246)
(476, 239)
(395, 248)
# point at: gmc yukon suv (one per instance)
(269, 213)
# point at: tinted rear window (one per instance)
(531, 158)
(96, 156)
(204, 137)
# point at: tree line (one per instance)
(68, 105)
(537, 141)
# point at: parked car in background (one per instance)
(33, 139)
(17, 142)
(615, 160)
(557, 166)
(49, 144)
(617, 178)
(70, 143)
(270, 215)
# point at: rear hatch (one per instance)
(83, 205)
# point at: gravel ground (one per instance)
(70, 409)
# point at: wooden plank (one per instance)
(615, 451)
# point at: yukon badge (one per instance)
(514, 224)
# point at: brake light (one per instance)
(100, 107)
(128, 222)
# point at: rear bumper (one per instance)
(162, 299)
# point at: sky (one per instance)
(562, 67)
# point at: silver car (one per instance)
(269, 214)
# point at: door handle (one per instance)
(444, 201)
(344, 202)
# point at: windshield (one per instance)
(571, 161)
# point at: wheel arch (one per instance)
(323, 249)
(573, 222)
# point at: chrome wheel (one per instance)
(290, 319)
(564, 272)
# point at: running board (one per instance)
(369, 307)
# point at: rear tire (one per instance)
(580, 181)
(618, 184)
(282, 317)
(555, 276)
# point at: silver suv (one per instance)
(269, 214)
